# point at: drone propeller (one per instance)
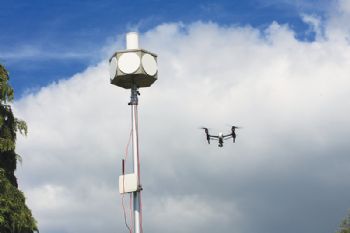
(207, 133)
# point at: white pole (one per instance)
(132, 42)
(136, 194)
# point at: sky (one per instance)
(46, 41)
(280, 69)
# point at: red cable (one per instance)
(125, 159)
(138, 167)
(126, 223)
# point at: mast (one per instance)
(132, 69)
(136, 159)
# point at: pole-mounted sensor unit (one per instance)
(133, 66)
(131, 69)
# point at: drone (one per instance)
(221, 137)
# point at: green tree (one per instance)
(345, 225)
(15, 216)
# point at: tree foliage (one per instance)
(9, 125)
(345, 225)
(15, 217)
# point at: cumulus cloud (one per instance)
(288, 170)
(315, 24)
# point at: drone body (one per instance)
(221, 137)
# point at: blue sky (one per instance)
(44, 41)
(279, 68)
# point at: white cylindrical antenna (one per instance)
(132, 40)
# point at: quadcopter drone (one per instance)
(221, 137)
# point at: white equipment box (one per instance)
(128, 183)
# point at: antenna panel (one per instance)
(128, 183)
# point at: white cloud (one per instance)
(344, 6)
(315, 24)
(34, 52)
(289, 96)
(338, 28)
(191, 213)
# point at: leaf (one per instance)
(21, 126)
(6, 144)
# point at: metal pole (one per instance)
(135, 149)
